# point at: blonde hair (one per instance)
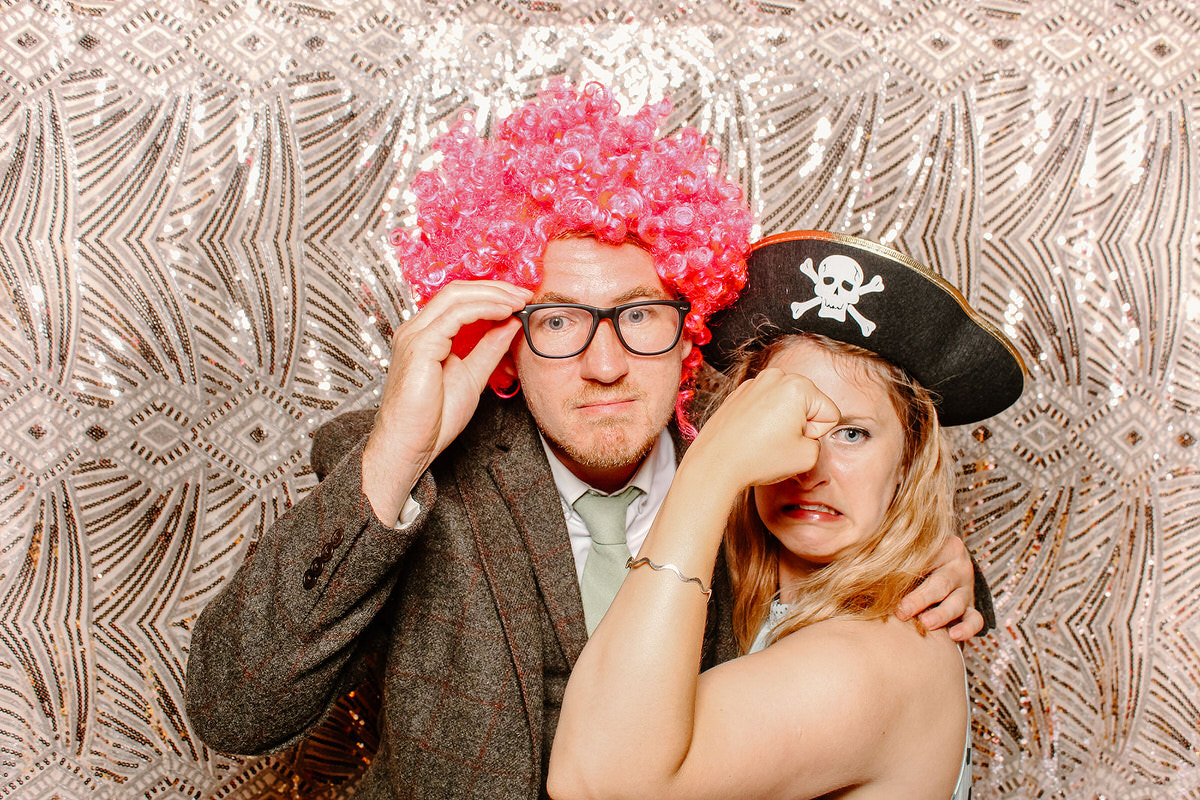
(870, 582)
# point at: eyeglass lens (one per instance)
(563, 330)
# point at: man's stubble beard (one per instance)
(609, 446)
(611, 449)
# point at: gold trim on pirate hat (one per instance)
(869, 295)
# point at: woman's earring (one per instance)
(510, 391)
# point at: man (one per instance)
(451, 544)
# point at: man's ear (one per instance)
(504, 376)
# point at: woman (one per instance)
(828, 461)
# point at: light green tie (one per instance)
(604, 569)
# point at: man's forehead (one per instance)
(583, 270)
(631, 294)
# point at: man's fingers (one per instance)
(463, 291)
(488, 351)
(435, 333)
(951, 608)
(932, 591)
(970, 625)
(952, 581)
(455, 298)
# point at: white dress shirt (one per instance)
(653, 477)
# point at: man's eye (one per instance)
(636, 316)
(555, 323)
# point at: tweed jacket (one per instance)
(473, 609)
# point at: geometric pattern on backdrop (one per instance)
(194, 205)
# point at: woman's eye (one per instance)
(851, 435)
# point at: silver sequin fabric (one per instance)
(194, 274)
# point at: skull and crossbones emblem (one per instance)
(838, 283)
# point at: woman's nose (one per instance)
(813, 478)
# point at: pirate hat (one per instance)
(869, 295)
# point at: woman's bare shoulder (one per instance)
(845, 703)
(880, 661)
(886, 678)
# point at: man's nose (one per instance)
(605, 359)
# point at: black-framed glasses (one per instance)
(562, 330)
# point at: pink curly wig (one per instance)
(568, 164)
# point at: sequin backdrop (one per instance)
(193, 212)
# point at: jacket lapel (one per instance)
(521, 536)
(526, 552)
(524, 477)
(520, 471)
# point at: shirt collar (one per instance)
(570, 488)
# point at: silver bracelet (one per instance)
(630, 564)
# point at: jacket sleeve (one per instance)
(983, 599)
(273, 652)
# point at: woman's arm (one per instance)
(636, 721)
